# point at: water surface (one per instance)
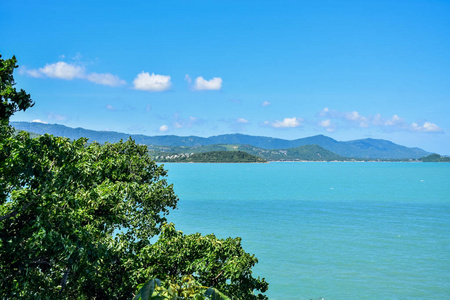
(333, 230)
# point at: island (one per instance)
(435, 158)
(211, 157)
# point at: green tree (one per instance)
(75, 215)
(11, 100)
(182, 288)
(76, 220)
(219, 263)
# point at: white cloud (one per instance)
(152, 83)
(265, 103)
(354, 118)
(395, 120)
(430, 127)
(105, 79)
(32, 72)
(188, 78)
(212, 84)
(324, 112)
(327, 125)
(66, 71)
(287, 122)
(62, 70)
(242, 120)
(110, 107)
(426, 127)
(163, 128)
(39, 121)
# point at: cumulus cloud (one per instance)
(163, 128)
(62, 70)
(398, 123)
(242, 120)
(355, 119)
(67, 71)
(188, 78)
(287, 123)
(105, 79)
(326, 112)
(354, 116)
(110, 107)
(203, 84)
(327, 125)
(265, 103)
(30, 72)
(151, 82)
(426, 127)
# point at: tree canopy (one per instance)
(76, 220)
(11, 100)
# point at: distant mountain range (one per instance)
(364, 148)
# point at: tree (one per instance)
(183, 288)
(76, 215)
(219, 263)
(11, 100)
(76, 219)
(73, 215)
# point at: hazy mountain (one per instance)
(364, 148)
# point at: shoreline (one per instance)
(294, 161)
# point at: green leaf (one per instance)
(215, 294)
(146, 292)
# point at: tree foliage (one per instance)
(184, 288)
(219, 263)
(76, 220)
(76, 214)
(435, 158)
(11, 100)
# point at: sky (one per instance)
(287, 69)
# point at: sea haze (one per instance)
(332, 230)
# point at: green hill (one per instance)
(212, 157)
(435, 158)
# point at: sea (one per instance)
(327, 230)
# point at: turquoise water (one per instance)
(331, 230)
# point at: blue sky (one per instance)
(287, 69)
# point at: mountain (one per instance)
(364, 148)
